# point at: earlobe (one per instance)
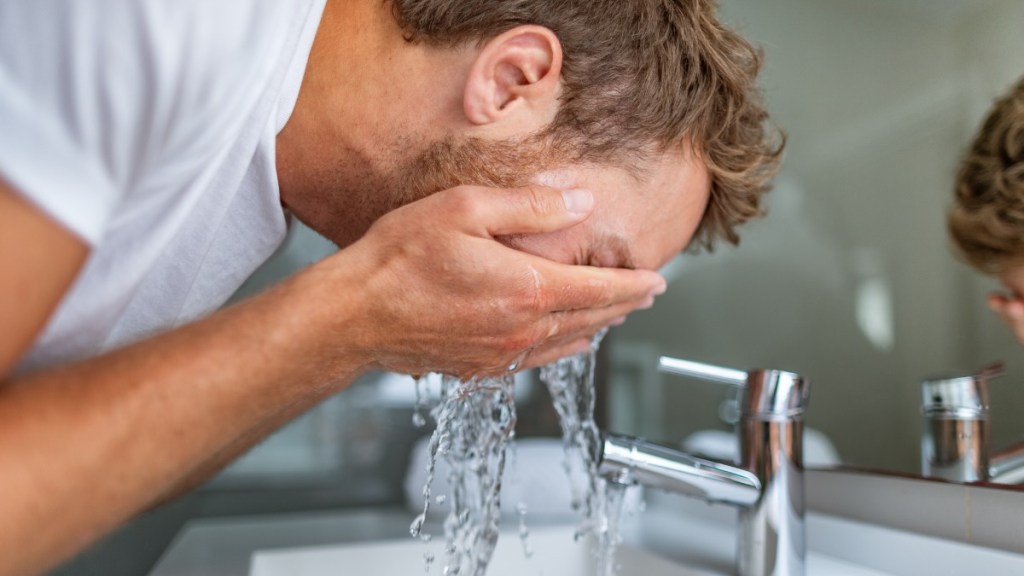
(516, 73)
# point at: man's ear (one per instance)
(515, 74)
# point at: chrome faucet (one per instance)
(955, 438)
(767, 484)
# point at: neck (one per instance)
(361, 111)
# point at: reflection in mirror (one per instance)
(851, 280)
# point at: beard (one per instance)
(496, 164)
(345, 201)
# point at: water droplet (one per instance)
(417, 525)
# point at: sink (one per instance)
(673, 536)
(554, 554)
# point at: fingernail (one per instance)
(619, 321)
(659, 289)
(578, 201)
(647, 303)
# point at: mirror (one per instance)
(851, 280)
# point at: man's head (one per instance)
(638, 78)
(986, 220)
(652, 97)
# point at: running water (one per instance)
(609, 537)
(476, 425)
(571, 384)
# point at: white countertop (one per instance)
(685, 531)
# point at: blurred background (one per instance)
(851, 281)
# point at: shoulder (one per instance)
(114, 91)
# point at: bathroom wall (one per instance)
(850, 280)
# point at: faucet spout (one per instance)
(631, 460)
(768, 484)
(1007, 467)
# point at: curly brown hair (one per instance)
(986, 220)
(639, 76)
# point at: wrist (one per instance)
(326, 317)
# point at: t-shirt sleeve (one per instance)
(104, 98)
(69, 97)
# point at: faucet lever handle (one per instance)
(766, 393)
(702, 371)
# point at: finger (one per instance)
(527, 210)
(564, 287)
(572, 332)
(566, 327)
(574, 324)
(551, 354)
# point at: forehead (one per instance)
(643, 216)
(651, 211)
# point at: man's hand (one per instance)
(444, 295)
(1011, 310)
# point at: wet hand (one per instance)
(446, 296)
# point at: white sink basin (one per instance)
(554, 554)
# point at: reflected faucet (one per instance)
(767, 484)
(955, 438)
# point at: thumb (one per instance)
(533, 210)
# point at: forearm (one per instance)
(142, 422)
(224, 457)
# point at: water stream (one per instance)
(600, 503)
(475, 424)
(475, 428)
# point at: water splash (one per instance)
(475, 428)
(571, 384)
(422, 405)
(524, 530)
(609, 536)
(600, 503)
(475, 424)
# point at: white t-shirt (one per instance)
(147, 127)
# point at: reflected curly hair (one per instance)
(639, 76)
(986, 220)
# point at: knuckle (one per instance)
(461, 203)
(516, 343)
(601, 290)
(538, 201)
(554, 327)
(539, 299)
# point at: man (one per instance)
(986, 220)
(151, 151)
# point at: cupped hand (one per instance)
(445, 296)
(1011, 310)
